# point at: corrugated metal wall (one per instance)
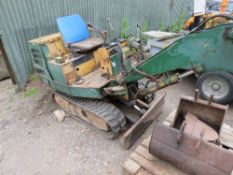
(22, 20)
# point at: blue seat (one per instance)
(76, 34)
(73, 28)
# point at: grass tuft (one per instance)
(31, 92)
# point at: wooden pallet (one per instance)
(226, 135)
(141, 162)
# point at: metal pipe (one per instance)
(186, 74)
(162, 83)
(143, 103)
(196, 96)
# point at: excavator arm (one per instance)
(192, 52)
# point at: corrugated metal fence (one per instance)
(22, 20)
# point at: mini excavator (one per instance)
(100, 81)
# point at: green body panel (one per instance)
(52, 75)
(60, 84)
(115, 64)
(74, 91)
(40, 63)
(86, 92)
(211, 48)
(57, 73)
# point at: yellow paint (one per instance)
(189, 22)
(124, 44)
(67, 68)
(86, 68)
(126, 51)
(213, 22)
(223, 6)
(69, 73)
(102, 57)
(125, 97)
(54, 43)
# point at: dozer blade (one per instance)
(189, 153)
(138, 128)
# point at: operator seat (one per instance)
(76, 34)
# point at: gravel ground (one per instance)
(33, 142)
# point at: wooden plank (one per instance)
(143, 172)
(227, 129)
(155, 168)
(169, 121)
(149, 164)
(130, 167)
(152, 167)
(226, 136)
(166, 123)
(226, 140)
(143, 151)
(146, 142)
(141, 125)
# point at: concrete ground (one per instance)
(33, 142)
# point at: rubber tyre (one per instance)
(226, 77)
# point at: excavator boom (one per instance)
(210, 45)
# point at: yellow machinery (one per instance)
(194, 21)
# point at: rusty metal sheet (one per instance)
(190, 154)
(196, 127)
(213, 114)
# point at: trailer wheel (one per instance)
(218, 84)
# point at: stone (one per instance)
(60, 115)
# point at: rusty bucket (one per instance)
(192, 153)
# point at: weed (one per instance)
(162, 27)
(34, 77)
(31, 92)
(177, 26)
(125, 29)
(145, 28)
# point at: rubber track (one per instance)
(102, 109)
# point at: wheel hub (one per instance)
(215, 86)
